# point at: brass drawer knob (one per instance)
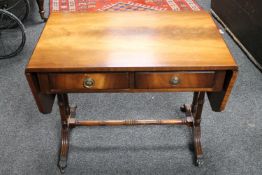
(174, 81)
(88, 82)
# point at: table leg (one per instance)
(193, 119)
(197, 107)
(196, 110)
(64, 113)
(41, 9)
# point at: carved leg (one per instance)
(41, 9)
(195, 110)
(64, 112)
(197, 106)
(62, 163)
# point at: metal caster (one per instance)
(62, 170)
(183, 108)
(199, 162)
(62, 164)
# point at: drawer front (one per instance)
(187, 80)
(95, 81)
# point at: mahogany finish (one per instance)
(152, 52)
(74, 82)
(183, 121)
(65, 112)
(44, 101)
(149, 41)
(210, 80)
(218, 100)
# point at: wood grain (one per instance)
(74, 81)
(104, 43)
(156, 80)
(131, 41)
(44, 101)
(74, 122)
(218, 100)
(132, 82)
(131, 52)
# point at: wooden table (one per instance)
(131, 52)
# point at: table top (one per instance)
(130, 41)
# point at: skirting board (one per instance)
(250, 56)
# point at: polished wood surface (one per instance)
(218, 100)
(188, 81)
(44, 101)
(131, 52)
(152, 42)
(196, 110)
(185, 80)
(75, 81)
(65, 112)
(74, 122)
(132, 41)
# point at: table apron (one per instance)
(89, 82)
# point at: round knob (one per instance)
(89, 82)
(174, 81)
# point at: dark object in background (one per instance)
(20, 8)
(41, 9)
(12, 31)
(242, 19)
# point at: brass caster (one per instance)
(200, 162)
(62, 170)
(62, 164)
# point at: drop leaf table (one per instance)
(131, 52)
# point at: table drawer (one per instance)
(187, 80)
(85, 81)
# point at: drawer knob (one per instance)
(174, 81)
(89, 82)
